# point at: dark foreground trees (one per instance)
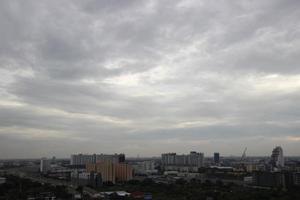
(22, 188)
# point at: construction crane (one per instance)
(242, 166)
(243, 158)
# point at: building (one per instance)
(149, 165)
(268, 179)
(168, 159)
(111, 172)
(251, 167)
(107, 171)
(124, 172)
(216, 158)
(277, 159)
(83, 178)
(297, 178)
(283, 179)
(144, 167)
(45, 165)
(83, 159)
(193, 159)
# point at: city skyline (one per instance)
(149, 77)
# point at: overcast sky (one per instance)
(147, 77)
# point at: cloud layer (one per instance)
(146, 77)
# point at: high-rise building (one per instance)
(107, 171)
(124, 172)
(83, 159)
(168, 158)
(45, 165)
(277, 159)
(193, 159)
(216, 158)
(110, 171)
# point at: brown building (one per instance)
(111, 172)
(90, 167)
(124, 172)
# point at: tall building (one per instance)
(216, 158)
(115, 158)
(45, 165)
(124, 172)
(193, 159)
(277, 159)
(110, 171)
(168, 158)
(107, 171)
(83, 159)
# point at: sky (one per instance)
(148, 77)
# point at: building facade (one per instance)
(124, 172)
(45, 165)
(111, 172)
(83, 159)
(277, 159)
(216, 158)
(193, 159)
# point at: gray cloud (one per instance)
(145, 77)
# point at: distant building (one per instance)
(297, 178)
(83, 178)
(268, 179)
(168, 159)
(273, 179)
(83, 159)
(145, 167)
(53, 161)
(107, 171)
(216, 158)
(193, 159)
(124, 172)
(45, 165)
(277, 159)
(111, 172)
